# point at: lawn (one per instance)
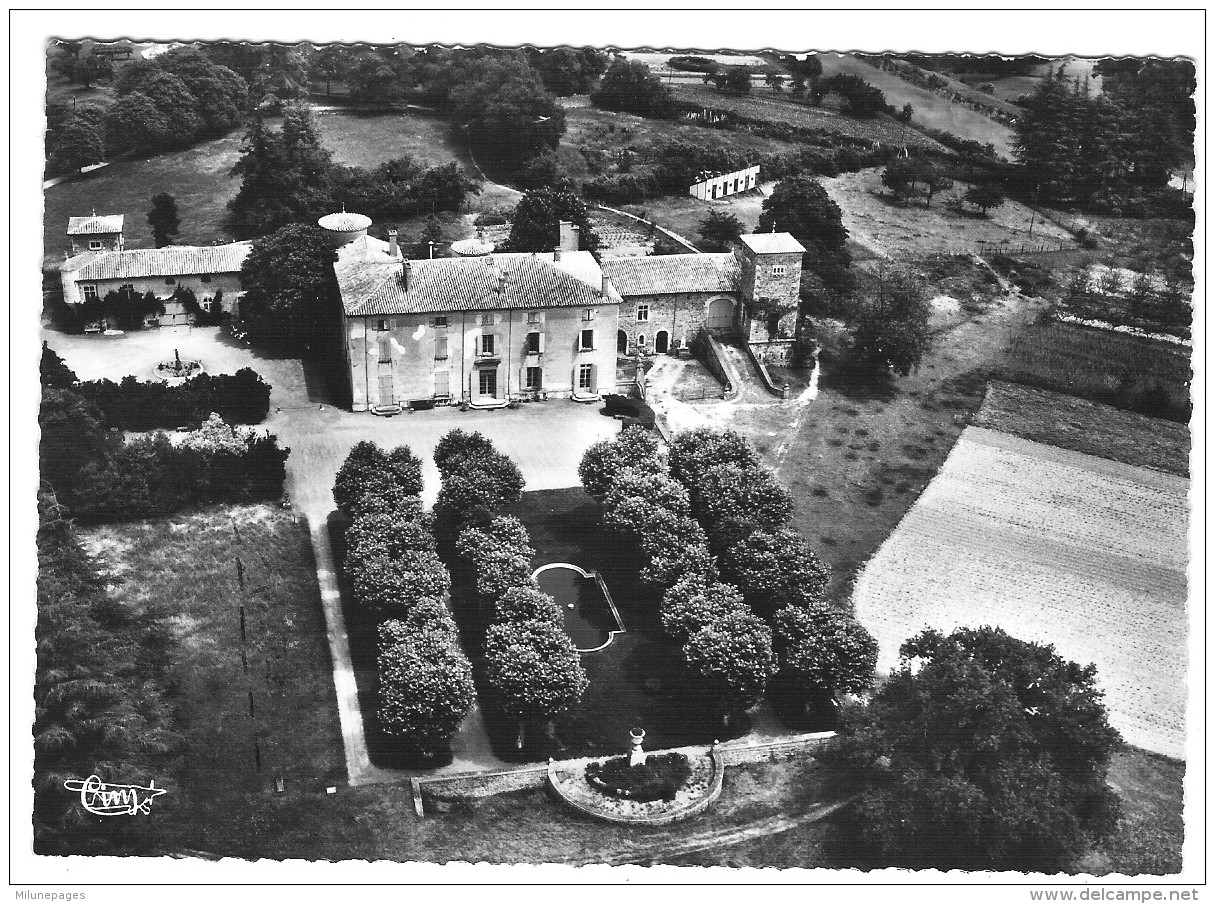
(197, 177)
(889, 229)
(378, 823)
(635, 681)
(253, 705)
(369, 139)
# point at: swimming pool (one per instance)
(591, 619)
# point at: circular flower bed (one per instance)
(658, 778)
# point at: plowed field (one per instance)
(1053, 546)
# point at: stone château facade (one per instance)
(484, 328)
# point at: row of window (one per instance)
(90, 293)
(588, 314)
(533, 381)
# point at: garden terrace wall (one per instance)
(710, 351)
(479, 785)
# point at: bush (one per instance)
(658, 778)
(240, 398)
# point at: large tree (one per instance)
(981, 752)
(533, 672)
(821, 652)
(286, 175)
(426, 690)
(504, 111)
(801, 206)
(291, 293)
(535, 224)
(719, 230)
(891, 330)
(633, 449)
(730, 660)
(77, 142)
(629, 86)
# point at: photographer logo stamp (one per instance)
(104, 799)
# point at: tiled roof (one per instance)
(669, 273)
(94, 225)
(176, 260)
(371, 282)
(772, 243)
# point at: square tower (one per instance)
(95, 233)
(770, 265)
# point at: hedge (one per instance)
(240, 398)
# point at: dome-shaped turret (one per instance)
(343, 227)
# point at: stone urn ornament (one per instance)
(636, 754)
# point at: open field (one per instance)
(1115, 368)
(779, 108)
(252, 705)
(877, 222)
(602, 130)
(199, 179)
(369, 139)
(930, 109)
(1088, 427)
(1056, 547)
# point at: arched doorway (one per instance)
(719, 314)
(622, 342)
(661, 342)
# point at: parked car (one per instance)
(632, 412)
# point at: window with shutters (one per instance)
(533, 343)
(438, 321)
(533, 316)
(440, 348)
(586, 340)
(381, 324)
(585, 372)
(442, 384)
(534, 378)
(588, 313)
(487, 344)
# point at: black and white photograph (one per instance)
(647, 447)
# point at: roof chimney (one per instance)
(557, 254)
(393, 250)
(568, 233)
(406, 272)
(604, 285)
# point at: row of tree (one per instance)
(1112, 149)
(821, 650)
(531, 671)
(132, 404)
(425, 681)
(101, 702)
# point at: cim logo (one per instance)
(102, 799)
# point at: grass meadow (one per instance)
(253, 681)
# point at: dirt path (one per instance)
(706, 841)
